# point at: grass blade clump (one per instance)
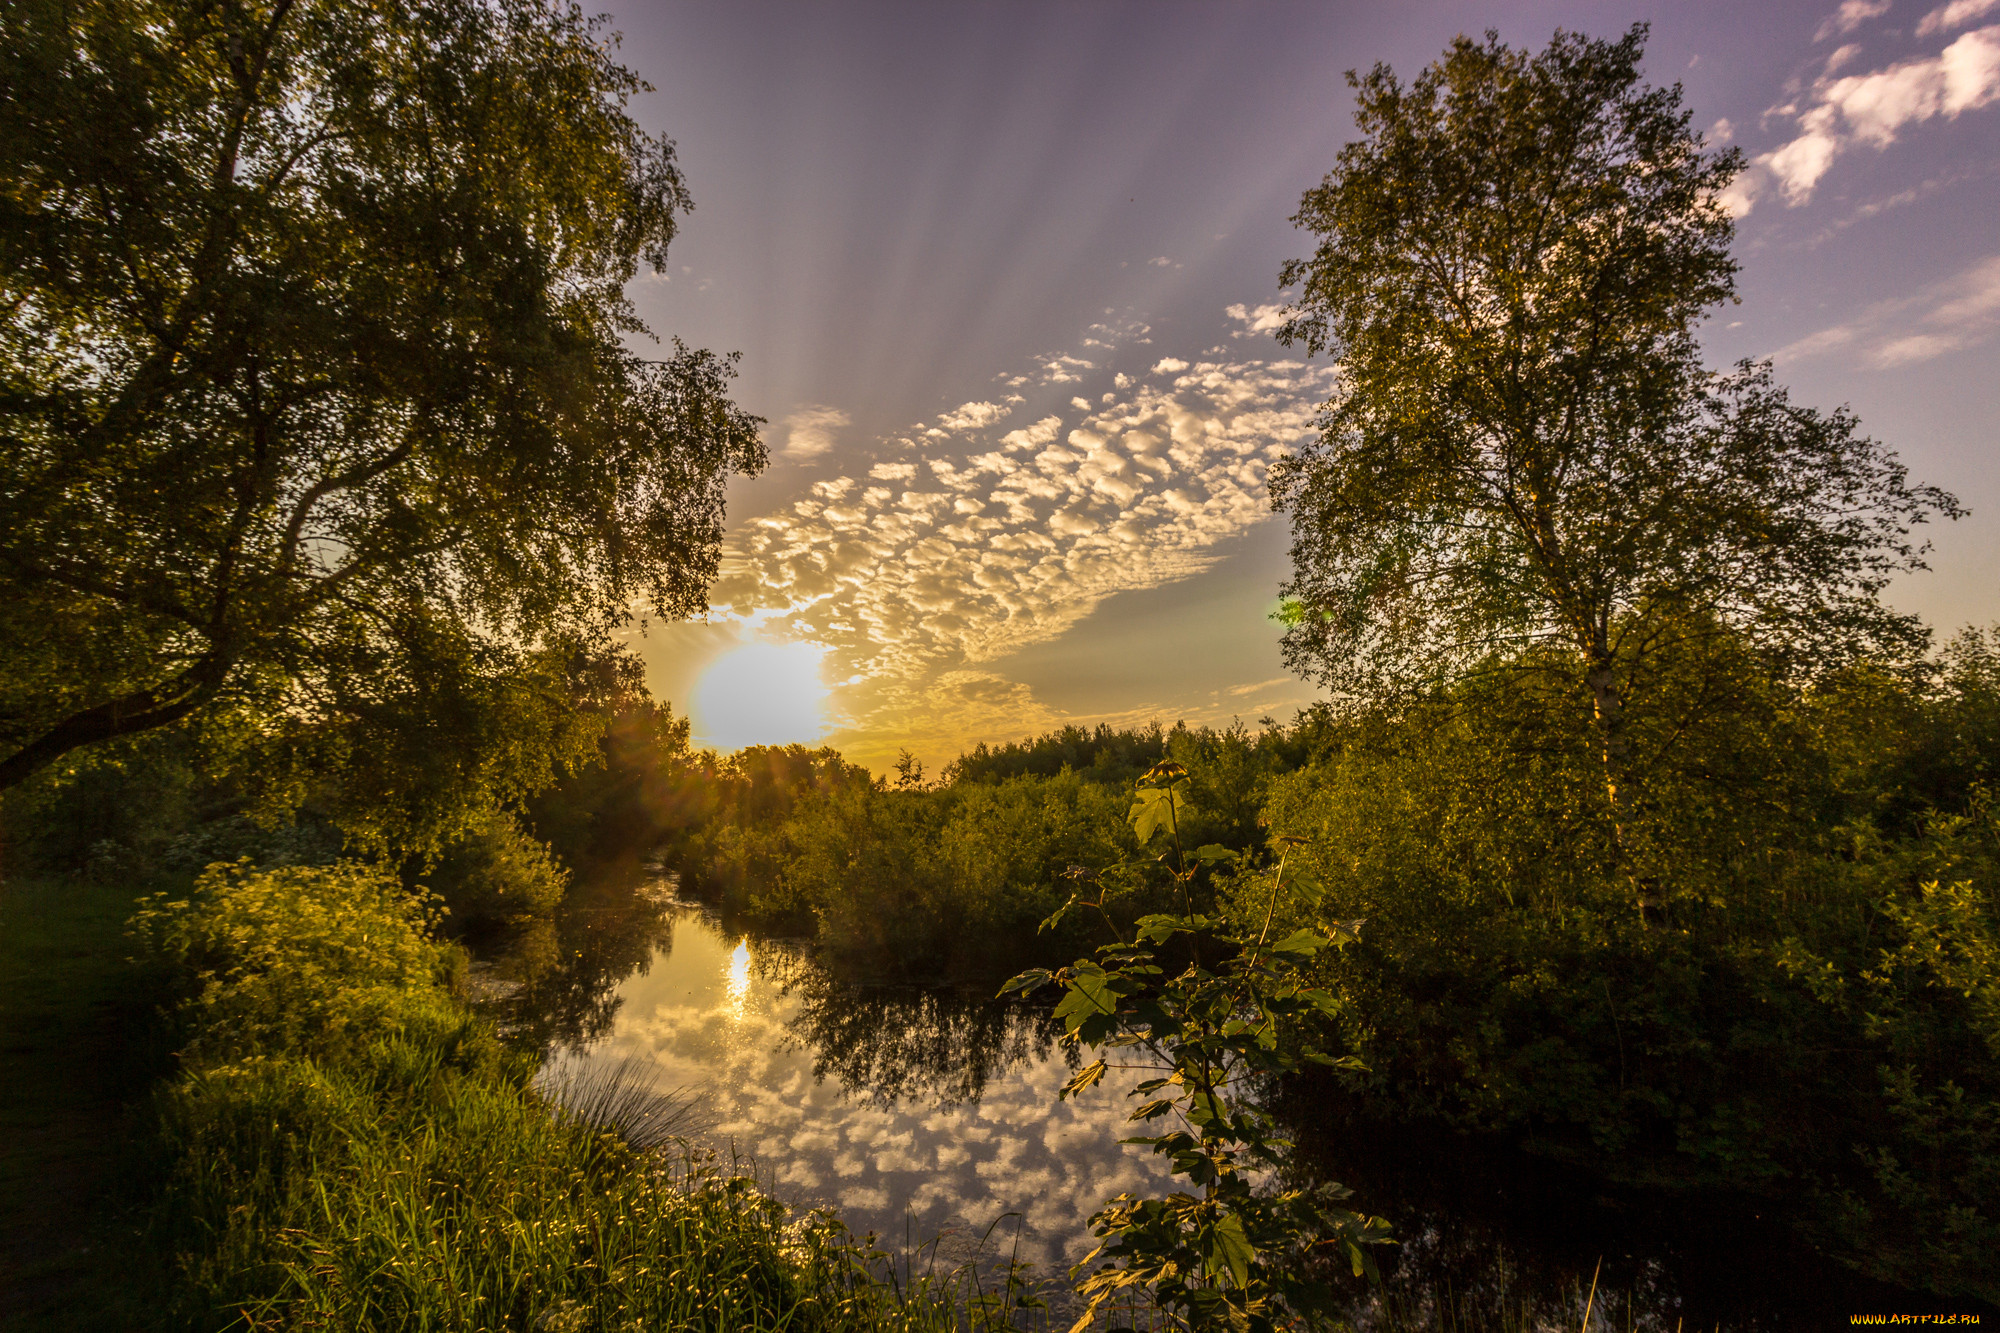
(348, 1146)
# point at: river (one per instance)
(930, 1117)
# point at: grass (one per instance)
(350, 1147)
(338, 1142)
(77, 1046)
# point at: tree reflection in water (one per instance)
(565, 973)
(901, 1043)
(1490, 1235)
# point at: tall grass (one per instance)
(348, 1147)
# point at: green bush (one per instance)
(1808, 1013)
(496, 874)
(350, 1147)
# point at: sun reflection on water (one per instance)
(739, 978)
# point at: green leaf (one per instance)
(1230, 1250)
(1214, 852)
(1304, 943)
(1152, 813)
(1027, 982)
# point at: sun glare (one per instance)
(761, 694)
(739, 978)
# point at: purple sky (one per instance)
(981, 262)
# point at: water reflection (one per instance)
(913, 1112)
(933, 1113)
(906, 1043)
(739, 977)
(557, 982)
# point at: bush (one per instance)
(497, 875)
(1808, 1015)
(350, 1147)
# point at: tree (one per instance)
(1525, 449)
(315, 385)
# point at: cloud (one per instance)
(1159, 261)
(1955, 15)
(1851, 15)
(920, 578)
(1962, 311)
(1063, 369)
(971, 416)
(1258, 319)
(1116, 333)
(809, 431)
(1872, 109)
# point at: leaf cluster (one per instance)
(1238, 1010)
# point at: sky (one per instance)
(1003, 278)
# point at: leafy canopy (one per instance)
(1525, 446)
(317, 389)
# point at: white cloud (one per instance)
(809, 431)
(1962, 311)
(1116, 333)
(1841, 58)
(1955, 15)
(1872, 109)
(1259, 319)
(972, 416)
(1851, 15)
(1063, 369)
(1159, 261)
(1722, 131)
(917, 584)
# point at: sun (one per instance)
(761, 694)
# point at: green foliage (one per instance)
(934, 881)
(315, 383)
(1806, 1018)
(954, 877)
(299, 957)
(497, 875)
(1240, 1254)
(1104, 755)
(1525, 448)
(349, 1147)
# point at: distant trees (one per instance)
(1525, 450)
(314, 387)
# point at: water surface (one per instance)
(932, 1113)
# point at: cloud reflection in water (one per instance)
(893, 1105)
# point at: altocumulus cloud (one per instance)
(973, 540)
(1874, 108)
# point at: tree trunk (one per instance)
(1608, 717)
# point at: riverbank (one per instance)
(78, 1047)
(346, 1144)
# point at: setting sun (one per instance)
(761, 694)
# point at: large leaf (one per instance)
(1229, 1250)
(1303, 943)
(1152, 814)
